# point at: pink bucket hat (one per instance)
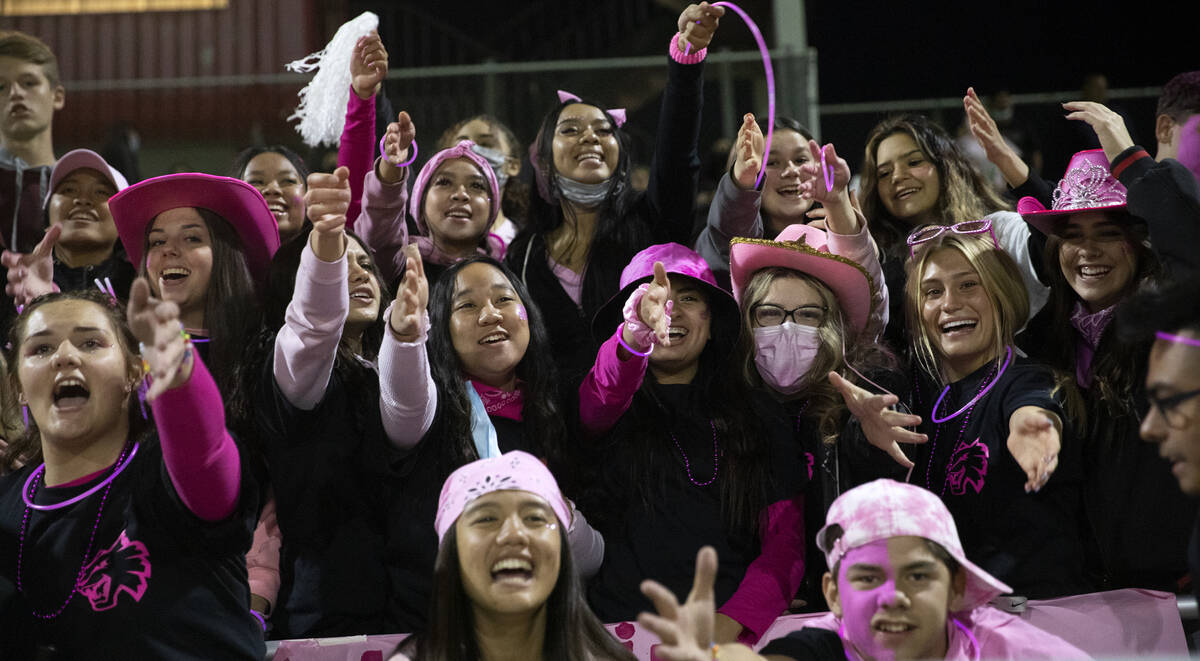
(512, 471)
(463, 149)
(678, 260)
(239, 203)
(805, 249)
(1087, 186)
(83, 158)
(885, 508)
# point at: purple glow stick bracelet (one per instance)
(827, 173)
(405, 164)
(766, 58)
(1177, 339)
(85, 494)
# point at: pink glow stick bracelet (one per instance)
(766, 58)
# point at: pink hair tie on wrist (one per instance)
(410, 161)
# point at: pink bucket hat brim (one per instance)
(678, 260)
(883, 509)
(83, 158)
(464, 149)
(239, 203)
(805, 249)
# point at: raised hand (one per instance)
(1034, 439)
(156, 325)
(1108, 125)
(327, 200)
(749, 150)
(685, 631)
(396, 141)
(828, 186)
(654, 309)
(884, 428)
(697, 24)
(412, 298)
(998, 151)
(368, 65)
(32, 274)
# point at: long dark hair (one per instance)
(542, 414)
(231, 309)
(964, 194)
(1117, 372)
(27, 448)
(615, 240)
(573, 633)
(647, 452)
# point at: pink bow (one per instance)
(618, 114)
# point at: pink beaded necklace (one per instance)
(27, 493)
(687, 465)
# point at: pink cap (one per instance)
(883, 509)
(513, 471)
(462, 150)
(1088, 185)
(83, 158)
(806, 249)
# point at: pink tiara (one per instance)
(1088, 186)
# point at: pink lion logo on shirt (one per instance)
(968, 467)
(122, 567)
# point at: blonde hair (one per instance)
(837, 340)
(999, 276)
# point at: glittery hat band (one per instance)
(1089, 186)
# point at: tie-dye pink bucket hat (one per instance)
(885, 508)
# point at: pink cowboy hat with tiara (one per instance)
(806, 249)
(1087, 186)
(239, 203)
(883, 509)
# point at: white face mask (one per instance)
(496, 159)
(585, 195)
(784, 354)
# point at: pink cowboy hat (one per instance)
(678, 261)
(239, 203)
(805, 249)
(1087, 186)
(885, 508)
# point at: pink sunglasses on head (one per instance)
(930, 232)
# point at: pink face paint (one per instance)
(860, 605)
(522, 314)
(1189, 145)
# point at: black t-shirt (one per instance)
(1031, 541)
(659, 540)
(810, 644)
(159, 582)
(329, 471)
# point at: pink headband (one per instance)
(464, 149)
(514, 471)
(618, 114)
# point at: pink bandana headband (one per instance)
(514, 471)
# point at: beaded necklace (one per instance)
(27, 494)
(984, 387)
(687, 465)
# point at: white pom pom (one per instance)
(322, 109)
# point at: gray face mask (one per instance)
(584, 195)
(496, 159)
